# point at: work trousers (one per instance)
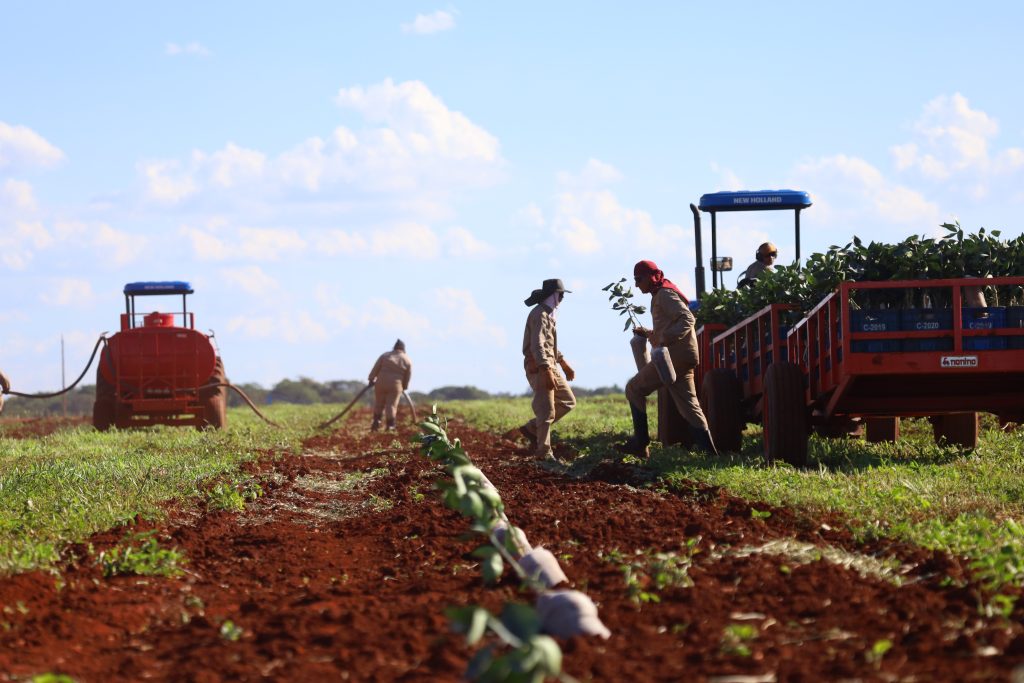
(682, 391)
(385, 401)
(549, 406)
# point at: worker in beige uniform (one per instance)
(673, 360)
(390, 379)
(5, 386)
(552, 397)
(764, 260)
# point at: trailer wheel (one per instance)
(785, 414)
(958, 429)
(721, 397)
(882, 429)
(214, 399)
(103, 404)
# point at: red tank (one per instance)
(159, 372)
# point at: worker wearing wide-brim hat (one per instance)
(675, 357)
(552, 397)
(390, 378)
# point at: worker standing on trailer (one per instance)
(552, 397)
(764, 259)
(675, 356)
(5, 386)
(390, 378)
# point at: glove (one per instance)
(643, 332)
(570, 374)
(547, 378)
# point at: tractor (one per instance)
(159, 372)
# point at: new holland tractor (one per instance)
(158, 369)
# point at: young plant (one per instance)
(649, 572)
(533, 656)
(620, 297)
(141, 554)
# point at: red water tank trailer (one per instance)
(159, 372)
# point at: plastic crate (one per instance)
(984, 319)
(1015, 320)
(927, 319)
(875, 320)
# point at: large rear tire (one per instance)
(785, 415)
(103, 404)
(722, 401)
(958, 429)
(214, 399)
(883, 429)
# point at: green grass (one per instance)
(969, 504)
(61, 488)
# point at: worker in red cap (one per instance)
(674, 357)
(390, 378)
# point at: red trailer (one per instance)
(847, 361)
(159, 371)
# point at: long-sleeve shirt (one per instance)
(540, 339)
(674, 326)
(393, 366)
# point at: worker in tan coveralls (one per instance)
(390, 378)
(673, 332)
(552, 397)
(5, 386)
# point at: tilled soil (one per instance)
(342, 570)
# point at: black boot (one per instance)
(702, 440)
(637, 444)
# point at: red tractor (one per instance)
(159, 372)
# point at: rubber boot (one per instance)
(702, 440)
(391, 425)
(376, 424)
(638, 443)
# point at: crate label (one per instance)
(959, 361)
(873, 327)
(926, 325)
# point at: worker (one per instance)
(674, 358)
(764, 259)
(552, 397)
(5, 387)
(390, 379)
(974, 296)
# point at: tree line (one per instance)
(302, 391)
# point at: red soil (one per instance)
(339, 585)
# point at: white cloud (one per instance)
(411, 240)
(166, 182)
(382, 315)
(531, 216)
(849, 189)
(595, 174)
(191, 49)
(17, 195)
(460, 242)
(251, 244)
(425, 24)
(251, 279)
(460, 317)
(294, 327)
(110, 246)
(22, 147)
(727, 179)
(18, 245)
(234, 164)
(68, 292)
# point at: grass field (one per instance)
(969, 504)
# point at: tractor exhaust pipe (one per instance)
(699, 270)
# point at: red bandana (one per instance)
(649, 271)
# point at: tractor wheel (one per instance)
(721, 397)
(785, 414)
(103, 405)
(958, 429)
(215, 399)
(881, 429)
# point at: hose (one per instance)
(351, 403)
(102, 339)
(248, 400)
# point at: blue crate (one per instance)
(1015, 320)
(927, 319)
(990, 318)
(875, 320)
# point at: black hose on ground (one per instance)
(101, 340)
(351, 403)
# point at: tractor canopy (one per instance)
(154, 288)
(759, 200)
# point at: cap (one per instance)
(540, 564)
(399, 345)
(567, 613)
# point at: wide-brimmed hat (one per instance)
(547, 288)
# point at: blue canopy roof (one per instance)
(760, 200)
(153, 288)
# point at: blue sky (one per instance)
(331, 176)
